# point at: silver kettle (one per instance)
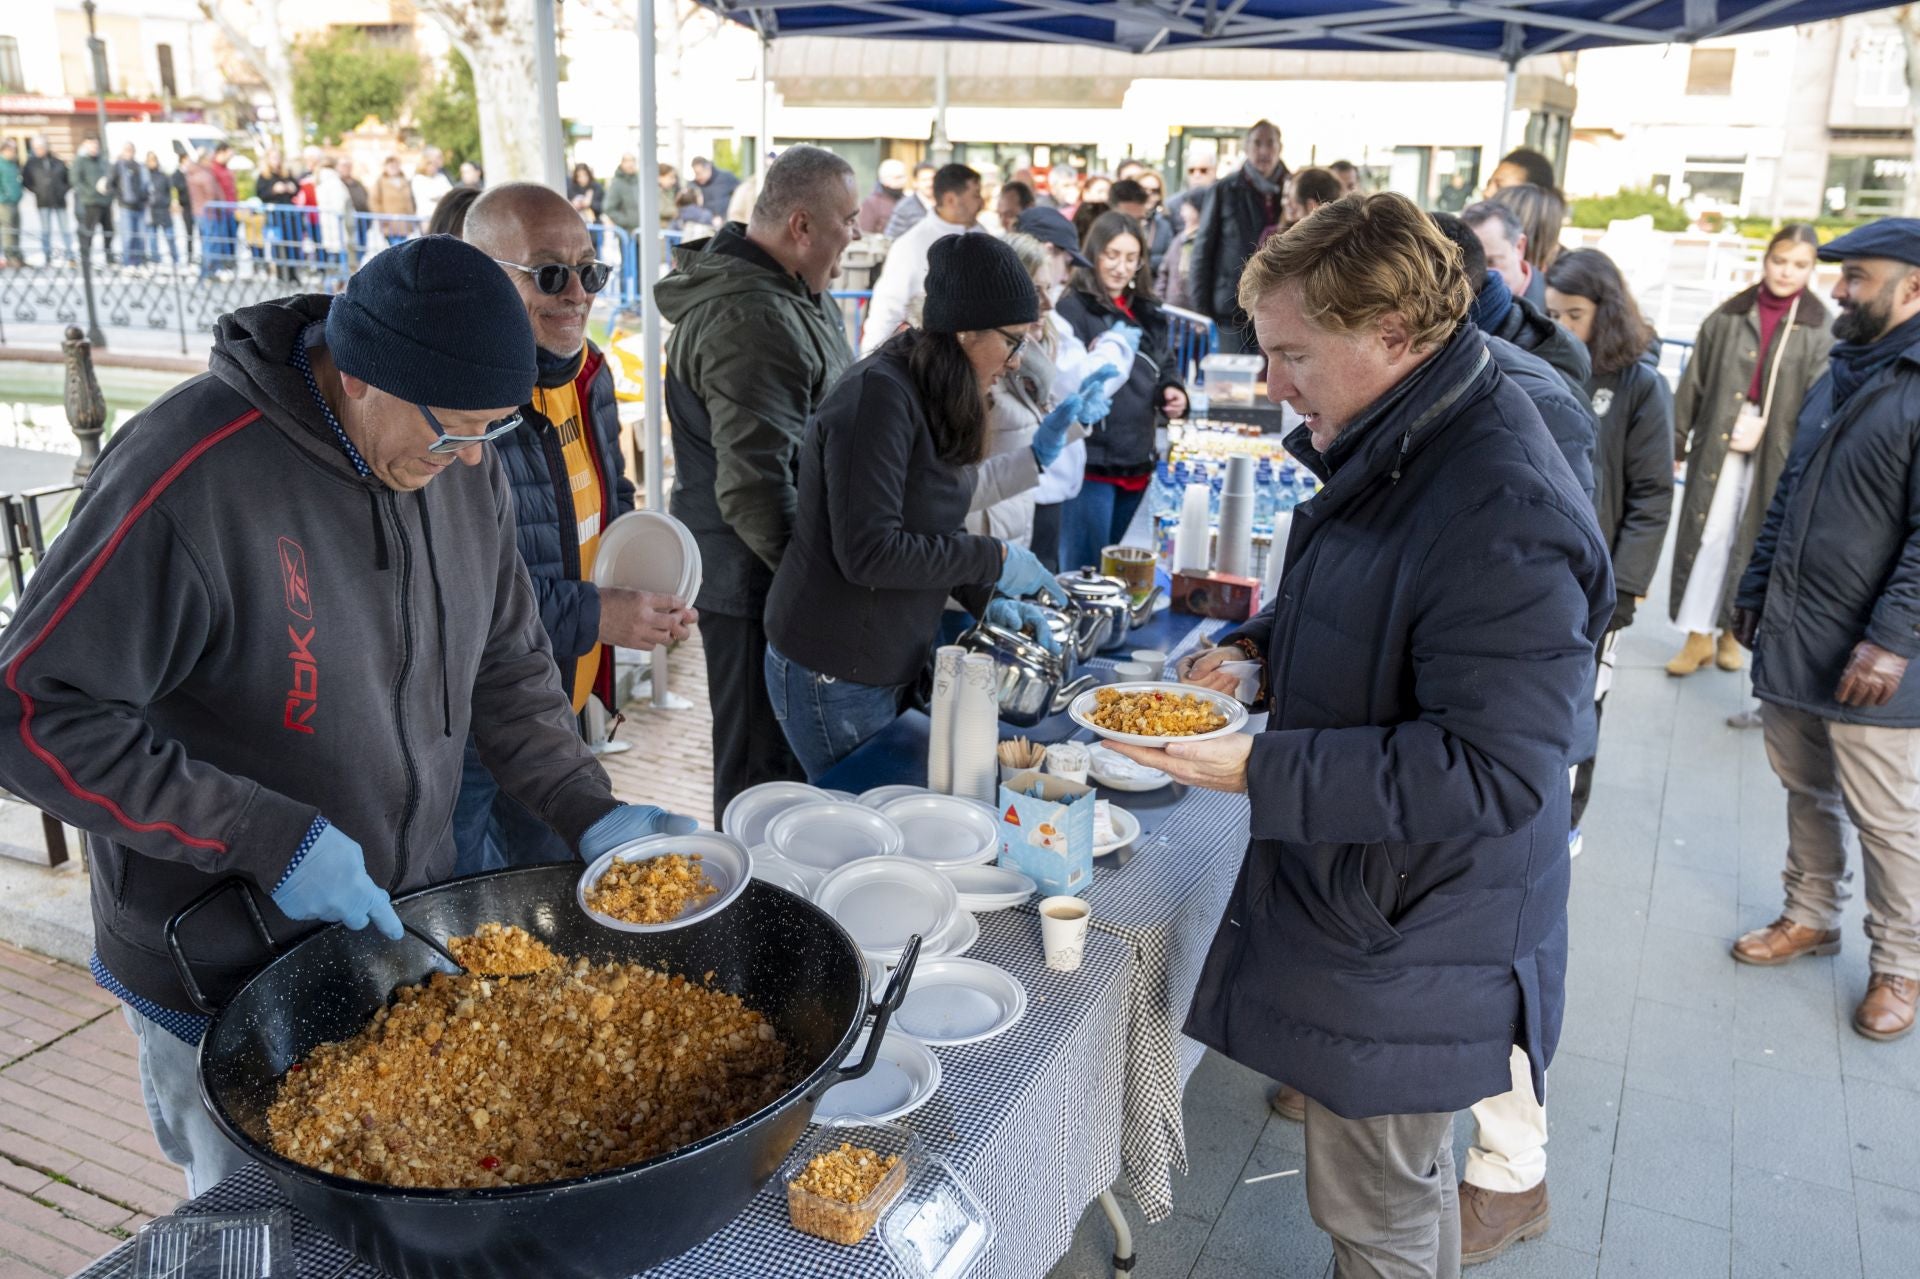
(1030, 683)
(1105, 608)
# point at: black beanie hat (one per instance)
(432, 320)
(976, 282)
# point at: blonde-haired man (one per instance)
(1399, 929)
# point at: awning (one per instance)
(1505, 29)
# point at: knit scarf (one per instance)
(1490, 306)
(1856, 362)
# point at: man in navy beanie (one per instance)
(259, 647)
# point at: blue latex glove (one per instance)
(331, 883)
(628, 823)
(1088, 403)
(1018, 615)
(1130, 333)
(1023, 575)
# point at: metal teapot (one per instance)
(1029, 682)
(1105, 609)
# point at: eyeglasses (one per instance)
(450, 443)
(551, 277)
(1200, 168)
(1016, 343)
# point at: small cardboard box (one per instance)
(1049, 838)
(1216, 595)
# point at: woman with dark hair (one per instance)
(450, 215)
(1753, 360)
(585, 193)
(1117, 290)
(1521, 167)
(887, 475)
(1632, 473)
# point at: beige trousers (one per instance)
(1509, 1151)
(1848, 785)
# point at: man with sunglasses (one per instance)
(252, 661)
(568, 482)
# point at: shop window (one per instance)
(12, 79)
(164, 54)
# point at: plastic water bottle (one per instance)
(1285, 497)
(1199, 403)
(1264, 497)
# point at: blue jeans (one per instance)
(1094, 519)
(494, 831)
(133, 236)
(49, 219)
(182, 1125)
(825, 718)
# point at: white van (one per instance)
(159, 138)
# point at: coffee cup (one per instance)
(1134, 672)
(1153, 659)
(1133, 565)
(1063, 931)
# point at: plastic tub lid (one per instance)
(218, 1245)
(937, 1228)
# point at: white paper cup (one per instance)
(1134, 672)
(1069, 760)
(1063, 931)
(1153, 659)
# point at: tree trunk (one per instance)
(1908, 17)
(271, 63)
(496, 37)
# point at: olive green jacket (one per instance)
(1711, 392)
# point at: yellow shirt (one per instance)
(560, 405)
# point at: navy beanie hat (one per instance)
(433, 321)
(976, 282)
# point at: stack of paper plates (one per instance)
(649, 551)
(751, 811)
(945, 830)
(827, 835)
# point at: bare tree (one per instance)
(682, 25)
(496, 37)
(268, 60)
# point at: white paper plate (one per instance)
(956, 938)
(880, 796)
(945, 830)
(904, 1075)
(749, 813)
(775, 869)
(883, 901)
(1126, 829)
(1082, 705)
(1116, 772)
(843, 796)
(985, 888)
(648, 551)
(726, 863)
(826, 835)
(960, 1001)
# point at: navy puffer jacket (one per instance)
(550, 545)
(1400, 920)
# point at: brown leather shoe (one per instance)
(1887, 1011)
(1492, 1222)
(1783, 940)
(1727, 654)
(1697, 652)
(1288, 1103)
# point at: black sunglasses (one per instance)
(551, 277)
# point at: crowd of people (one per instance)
(1497, 451)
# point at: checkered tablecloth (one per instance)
(1031, 1119)
(1166, 903)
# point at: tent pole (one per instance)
(1506, 105)
(546, 75)
(646, 243)
(942, 146)
(764, 142)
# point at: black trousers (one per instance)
(749, 746)
(92, 217)
(1046, 534)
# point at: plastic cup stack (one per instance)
(1235, 554)
(1190, 549)
(945, 705)
(976, 731)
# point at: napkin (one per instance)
(1102, 823)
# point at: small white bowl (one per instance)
(723, 859)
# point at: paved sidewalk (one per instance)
(1705, 1119)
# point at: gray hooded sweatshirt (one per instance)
(237, 633)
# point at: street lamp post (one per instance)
(98, 48)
